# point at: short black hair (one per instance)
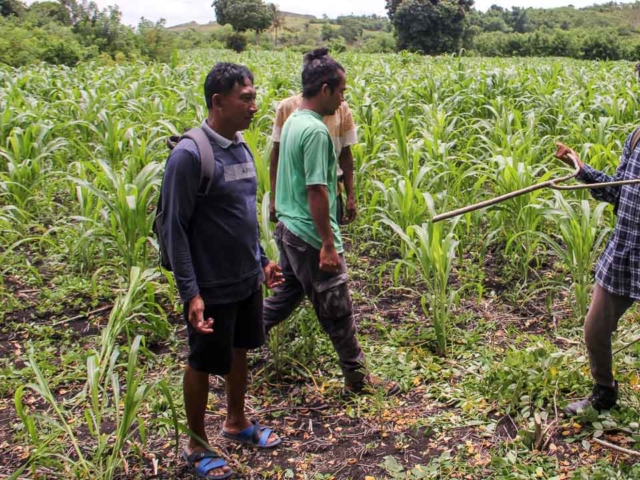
(319, 68)
(223, 77)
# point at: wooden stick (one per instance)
(627, 346)
(84, 315)
(617, 448)
(593, 186)
(508, 196)
(548, 184)
(488, 203)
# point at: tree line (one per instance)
(601, 32)
(69, 31)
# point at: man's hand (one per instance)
(351, 211)
(272, 210)
(329, 259)
(568, 156)
(196, 316)
(273, 275)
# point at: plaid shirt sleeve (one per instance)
(618, 269)
(590, 175)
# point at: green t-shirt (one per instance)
(307, 157)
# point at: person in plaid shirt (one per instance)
(343, 132)
(617, 272)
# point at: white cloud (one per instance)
(183, 11)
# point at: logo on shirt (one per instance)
(239, 171)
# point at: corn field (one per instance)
(478, 318)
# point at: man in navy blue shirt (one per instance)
(212, 241)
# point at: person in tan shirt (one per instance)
(343, 132)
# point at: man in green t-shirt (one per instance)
(308, 236)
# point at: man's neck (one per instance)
(311, 104)
(217, 126)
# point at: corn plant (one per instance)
(577, 243)
(27, 163)
(261, 153)
(518, 219)
(266, 232)
(105, 403)
(127, 216)
(105, 400)
(402, 202)
(431, 253)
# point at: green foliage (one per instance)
(602, 47)
(528, 378)
(380, 43)
(155, 41)
(604, 33)
(110, 408)
(237, 42)
(431, 252)
(244, 15)
(583, 232)
(70, 32)
(350, 30)
(100, 454)
(52, 43)
(81, 155)
(42, 13)
(12, 7)
(431, 27)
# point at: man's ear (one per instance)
(216, 100)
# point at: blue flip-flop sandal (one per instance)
(208, 461)
(255, 435)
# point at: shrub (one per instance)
(236, 42)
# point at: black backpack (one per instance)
(207, 169)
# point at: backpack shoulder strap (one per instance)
(635, 139)
(207, 158)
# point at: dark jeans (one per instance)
(602, 320)
(328, 293)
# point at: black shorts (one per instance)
(235, 325)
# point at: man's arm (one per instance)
(317, 148)
(273, 176)
(179, 192)
(590, 175)
(346, 164)
(349, 134)
(318, 198)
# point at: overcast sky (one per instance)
(183, 11)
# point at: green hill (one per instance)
(293, 21)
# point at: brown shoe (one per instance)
(370, 384)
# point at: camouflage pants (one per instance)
(328, 293)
